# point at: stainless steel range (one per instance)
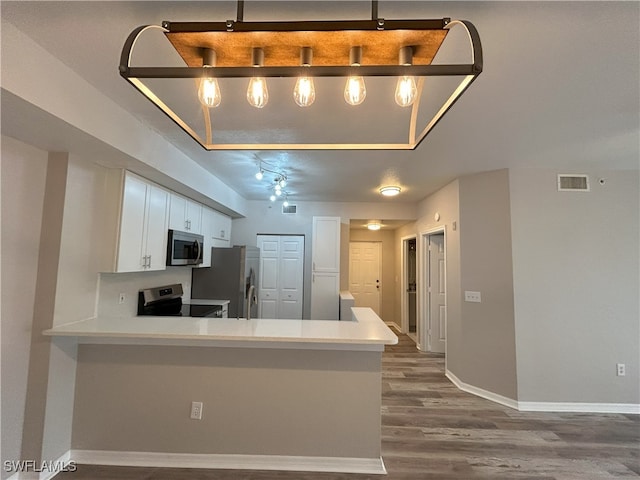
(166, 301)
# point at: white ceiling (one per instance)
(559, 90)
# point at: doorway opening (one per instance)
(409, 288)
(433, 296)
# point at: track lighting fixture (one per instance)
(279, 182)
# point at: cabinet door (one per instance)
(207, 226)
(177, 213)
(221, 227)
(326, 244)
(193, 214)
(131, 245)
(156, 227)
(324, 296)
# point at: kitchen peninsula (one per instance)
(276, 394)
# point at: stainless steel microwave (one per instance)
(184, 248)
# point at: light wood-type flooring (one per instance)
(432, 430)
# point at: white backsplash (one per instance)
(111, 285)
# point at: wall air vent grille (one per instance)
(573, 183)
(290, 209)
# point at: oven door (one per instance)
(184, 248)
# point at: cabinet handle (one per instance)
(149, 261)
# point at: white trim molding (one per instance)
(573, 407)
(372, 466)
(580, 407)
(480, 392)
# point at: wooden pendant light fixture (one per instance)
(315, 49)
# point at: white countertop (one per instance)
(366, 332)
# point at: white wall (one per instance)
(24, 171)
(575, 261)
(486, 357)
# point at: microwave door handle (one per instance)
(199, 256)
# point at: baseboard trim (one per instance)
(580, 407)
(372, 466)
(575, 407)
(44, 470)
(480, 392)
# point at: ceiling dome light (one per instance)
(373, 226)
(390, 190)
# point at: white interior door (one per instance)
(291, 277)
(437, 327)
(365, 280)
(281, 276)
(268, 284)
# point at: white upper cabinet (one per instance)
(216, 229)
(221, 226)
(326, 244)
(142, 243)
(185, 215)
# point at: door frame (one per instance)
(404, 303)
(423, 290)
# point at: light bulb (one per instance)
(260, 175)
(278, 192)
(355, 90)
(209, 92)
(257, 93)
(282, 182)
(304, 93)
(277, 188)
(406, 91)
(285, 203)
(272, 198)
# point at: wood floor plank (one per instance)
(432, 430)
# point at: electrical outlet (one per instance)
(620, 369)
(196, 410)
(122, 298)
(472, 297)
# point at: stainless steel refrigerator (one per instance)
(233, 276)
